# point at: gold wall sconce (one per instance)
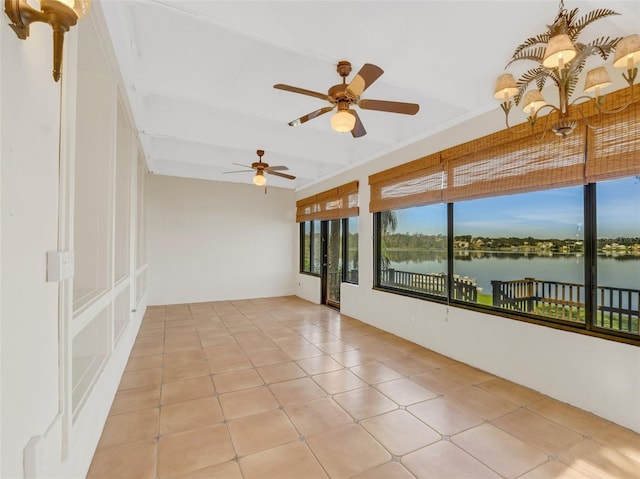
(60, 14)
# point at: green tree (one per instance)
(388, 224)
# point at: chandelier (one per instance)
(560, 59)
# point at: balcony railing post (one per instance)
(496, 287)
(529, 295)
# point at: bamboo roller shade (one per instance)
(333, 204)
(506, 162)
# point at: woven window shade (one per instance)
(419, 182)
(333, 204)
(614, 143)
(505, 162)
(516, 166)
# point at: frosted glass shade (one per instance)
(343, 121)
(259, 179)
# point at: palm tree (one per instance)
(388, 224)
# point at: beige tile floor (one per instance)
(280, 388)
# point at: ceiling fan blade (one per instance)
(238, 171)
(390, 106)
(240, 164)
(278, 168)
(283, 175)
(358, 129)
(310, 116)
(363, 80)
(295, 89)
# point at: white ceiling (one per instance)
(200, 74)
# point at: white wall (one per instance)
(29, 226)
(41, 434)
(597, 375)
(211, 240)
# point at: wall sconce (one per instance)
(60, 14)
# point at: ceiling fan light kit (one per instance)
(260, 168)
(342, 96)
(343, 121)
(259, 179)
(561, 59)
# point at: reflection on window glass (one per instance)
(306, 247)
(316, 247)
(413, 249)
(618, 254)
(334, 260)
(352, 250)
(523, 252)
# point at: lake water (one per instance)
(621, 271)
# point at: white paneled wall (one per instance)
(72, 180)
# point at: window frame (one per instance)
(303, 248)
(345, 248)
(590, 278)
(345, 251)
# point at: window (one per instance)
(351, 250)
(310, 244)
(534, 255)
(337, 204)
(523, 252)
(311, 248)
(305, 247)
(618, 255)
(316, 247)
(413, 249)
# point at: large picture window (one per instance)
(567, 256)
(618, 255)
(523, 252)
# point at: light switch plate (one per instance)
(59, 265)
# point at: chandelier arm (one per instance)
(506, 107)
(597, 102)
(549, 105)
(532, 122)
(585, 119)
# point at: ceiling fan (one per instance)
(261, 168)
(343, 96)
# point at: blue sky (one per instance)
(542, 214)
